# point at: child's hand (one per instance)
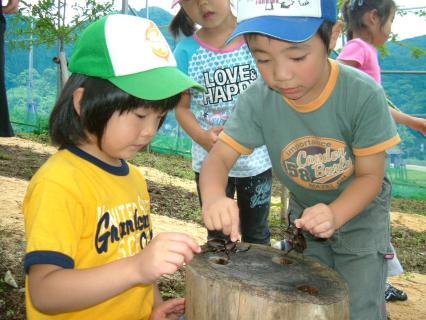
(211, 137)
(419, 125)
(318, 220)
(169, 310)
(222, 213)
(165, 254)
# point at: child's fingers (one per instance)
(176, 304)
(299, 223)
(217, 222)
(183, 240)
(208, 222)
(322, 230)
(235, 227)
(169, 264)
(226, 222)
(325, 235)
(308, 220)
(170, 309)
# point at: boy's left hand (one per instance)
(169, 310)
(318, 220)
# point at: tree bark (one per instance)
(263, 284)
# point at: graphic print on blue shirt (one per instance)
(224, 84)
(224, 75)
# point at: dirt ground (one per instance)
(12, 190)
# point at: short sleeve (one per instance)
(353, 51)
(181, 59)
(374, 128)
(53, 223)
(245, 124)
(183, 52)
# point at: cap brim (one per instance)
(292, 29)
(156, 84)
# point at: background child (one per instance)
(90, 247)
(326, 129)
(225, 70)
(369, 25)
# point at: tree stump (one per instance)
(263, 283)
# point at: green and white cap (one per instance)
(132, 53)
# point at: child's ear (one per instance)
(76, 99)
(371, 18)
(335, 33)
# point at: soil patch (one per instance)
(170, 196)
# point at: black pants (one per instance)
(5, 127)
(254, 199)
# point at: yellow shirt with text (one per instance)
(81, 213)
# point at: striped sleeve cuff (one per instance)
(378, 147)
(234, 144)
(47, 257)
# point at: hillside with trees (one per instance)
(407, 91)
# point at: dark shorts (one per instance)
(254, 199)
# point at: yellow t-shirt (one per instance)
(81, 213)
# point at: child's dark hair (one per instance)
(99, 102)
(354, 10)
(181, 23)
(324, 31)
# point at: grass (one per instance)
(42, 137)
(411, 249)
(174, 165)
(178, 203)
(408, 183)
(4, 156)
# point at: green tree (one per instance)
(55, 22)
(43, 98)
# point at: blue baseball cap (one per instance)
(288, 20)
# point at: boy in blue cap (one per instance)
(326, 127)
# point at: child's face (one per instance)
(298, 71)
(208, 14)
(382, 32)
(127, 133)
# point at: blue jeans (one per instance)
(254, 199)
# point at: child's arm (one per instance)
(11, 7)
(351, 63)
(56, 290)
(414, 123)
(322, 220)
(185, 117)
(219, 212)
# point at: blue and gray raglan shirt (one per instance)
(225, 73)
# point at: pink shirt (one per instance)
(364, 54)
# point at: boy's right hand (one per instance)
(165, 254)
(222, 213)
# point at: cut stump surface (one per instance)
(263, 283)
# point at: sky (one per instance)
(408, 26)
